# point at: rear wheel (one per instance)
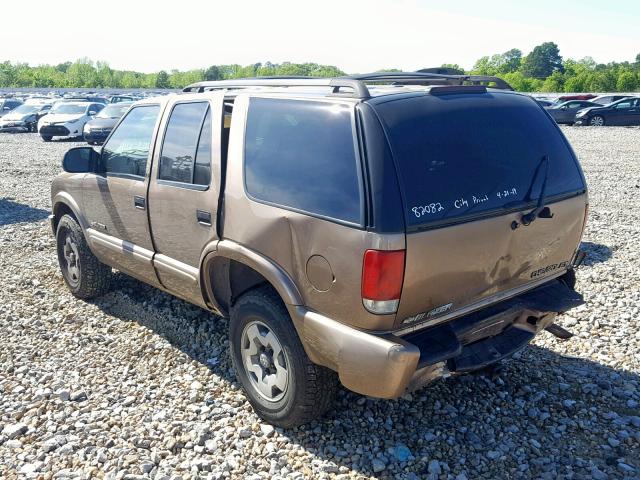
(284, 387)
(596, 121)
(46, 138)
(83, 273)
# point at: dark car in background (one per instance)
(622, 112)
(25, 117)
(97, 130)
(544, 102)
(8, 104)
(566, 112)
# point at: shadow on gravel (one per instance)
(596, 253)
(538, 416)
(14, 212)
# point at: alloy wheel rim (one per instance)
(265, 361)
(72, 260)
(597, 121)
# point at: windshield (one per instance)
(468, 154)
(69, 109)
(115, 111)
(26, 109)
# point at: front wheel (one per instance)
(284, 387)
(83, 273)
(596, 121)
(46, 138)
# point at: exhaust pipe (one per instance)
(559, 332)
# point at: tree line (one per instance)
(542, 70)
(84, 73)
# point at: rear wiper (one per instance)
(540, 211)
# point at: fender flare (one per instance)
(271, 271)
(64, 198)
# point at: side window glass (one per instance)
(300, 154)
(202, 171)
(127, 149)
(178, 155)
(623, 105)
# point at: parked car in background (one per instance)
(67, 119)
(85, 98)
(622, 112)
(607, 99)
(97, 130)
(25, 117)
(566, 112)
(581, 96)
(8, 104)
(544, 102)
(123, 98)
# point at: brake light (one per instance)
(382, 277)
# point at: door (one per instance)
(621, 113)
(184, 191)
(634, 113)
(115, 203)
(568, 111)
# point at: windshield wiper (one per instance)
(540, 211)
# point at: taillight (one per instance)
(382, 276)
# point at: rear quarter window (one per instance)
(301, 155)
(464, 155)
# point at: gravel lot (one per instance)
(138, 384)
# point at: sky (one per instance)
(356, 36)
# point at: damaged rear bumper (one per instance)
(386, 366)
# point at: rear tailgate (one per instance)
(469, 165)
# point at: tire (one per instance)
(46, 138)
(83, 273)
(596, 121)
(309, 388)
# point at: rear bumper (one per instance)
(386, 366)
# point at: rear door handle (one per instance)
(139, 202)
(204, 218)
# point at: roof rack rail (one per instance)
(357, 83)
(359, 88)
(429, 78)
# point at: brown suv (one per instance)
(384, 230)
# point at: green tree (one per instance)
(553, 83)
(627, 82)
(162, 80)
(212, 73)
(542, 61)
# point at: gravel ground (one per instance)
(138, 384)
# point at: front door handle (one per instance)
(204, 218)
(139, 202)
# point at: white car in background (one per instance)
(67, 119)
(25, 117)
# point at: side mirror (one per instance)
(6, 108)
(82, 160)
(564, 107)
(92, 113)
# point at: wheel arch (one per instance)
(232, 269)
(63, 203)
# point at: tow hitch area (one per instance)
(559, 332)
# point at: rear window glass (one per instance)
(301, 154)
(463, 155)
